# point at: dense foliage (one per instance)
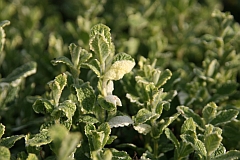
(102, 80)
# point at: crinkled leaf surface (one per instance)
(209, 112)
(172, 137)
(122, 64)
(230, 155)
(9, 141)
(120, 155)
(144, 115)
(86, 96)
(67, 108)
(101, 29)
(225, 116)
(32, 156)
(188, 113)
(196, 144)
(105, 104)
(188, 125)
(43, 106)
(39, 139)
(94, 65)
(120, 121)
(212, 142)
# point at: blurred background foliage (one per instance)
(183, 36)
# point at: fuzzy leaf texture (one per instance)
(122, 64)
(120, 121)
(39, 139)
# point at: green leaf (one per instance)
(230, 131)
(43, 106)
(32, 156)
(122, 64)
(233, 154)
(172, 138)
(94, 65)
(212, 142)
(2, 130)
(188, 125)
(196, 144)
(120, 121)
(184, 150)
(67, 108)
(164, 76)
(39, 139)
(88, 119)
(209, 112)
(143, 115)
(9, 141)
(225, 116)
(221, 150)
(78, 55)
(102, 30)
(65, 143)
(117, 155)
(86, 96)
(21, 72)
(2, 33)
(4, 153)
(188, 113)
(57, 86)
(100, 46)
(104, 127)
(63, 60)
(227, 88)
(105, 104)
(164, 123)
(142, 128)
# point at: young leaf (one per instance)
(144, 115)
(188, 125)
(88, 119)
(209, 112)
(21, 72)
(212, 142)
(4, 153)
(57, 86)
(101, 29)
(122, 64)
(86, 96)
(9, 141)
(99, 44)
(120, 121)
(225, 116)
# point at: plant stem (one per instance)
(155, 149)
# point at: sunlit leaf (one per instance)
(120, 121)
(4, 153)
(209, 112)
(38, 139)
(143, 128)
(212, 142)
(225, 116)
(2, 129)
